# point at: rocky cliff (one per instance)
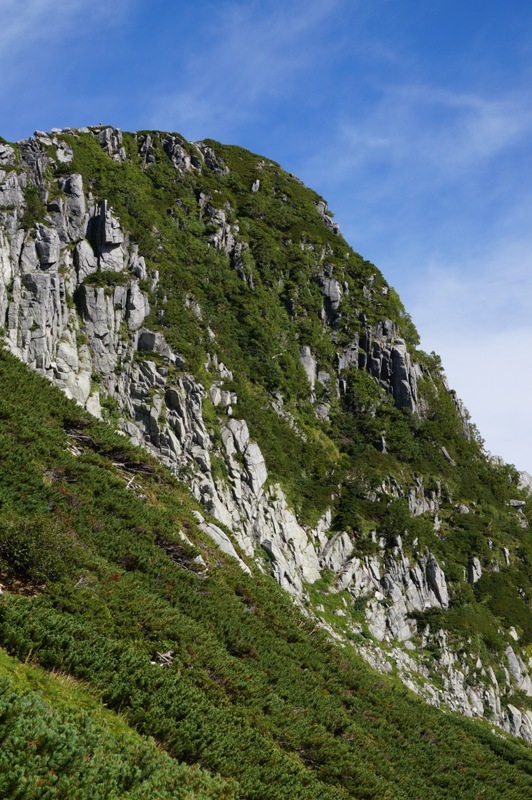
(396, 536)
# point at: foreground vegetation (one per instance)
(217, 666)
(57, 740)
(261, 315)
(138, 660)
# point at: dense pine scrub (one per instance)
(261, 323)
(245, 696)
(57, 740)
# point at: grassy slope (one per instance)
(258, 335)
(57, 740)
(98, 583)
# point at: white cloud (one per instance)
(491, 375)
(475, 127)
(480, 322)
(27, 22)
(441, 134)
(476, 292)
(252, 53)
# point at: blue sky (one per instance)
(413, 119)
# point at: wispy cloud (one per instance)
(26, 22)
(460, 305)
(251, 54)
(443, 133)
(478, 317)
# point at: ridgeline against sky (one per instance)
(203, 303)
(413, 120)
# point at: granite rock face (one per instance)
(95, 340)
(110, 140)
(12, 187)
(103, 334)
(393, 585)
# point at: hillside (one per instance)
(201, 301)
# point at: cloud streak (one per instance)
(445, 134)
(251, 56)
(480, 322)
(25, 22)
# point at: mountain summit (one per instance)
(201, 303)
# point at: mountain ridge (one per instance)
(102, 584)
(204, 302)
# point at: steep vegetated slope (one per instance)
(59, 741)
(203, 302)
(111, 579)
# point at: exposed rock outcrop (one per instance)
(75, 309)
(392, 585)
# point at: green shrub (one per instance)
(35, 208)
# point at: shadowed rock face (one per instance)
(11, 189)
(75, 307)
